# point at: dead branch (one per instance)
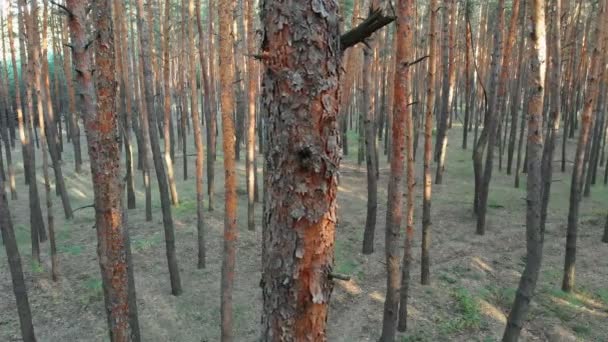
(374, 22)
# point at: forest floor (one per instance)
(474, 278)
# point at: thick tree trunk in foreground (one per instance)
(101, 123)
(163, 187)
(225, 13)
(302, 161)
(534, 234)
(16, 270)
(591, 96)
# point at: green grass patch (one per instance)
(141, 244)
(37, 267)
(468, 315)
(71, 250)
(501, 296)
(416, 337)
(344, 259)
(94, 290)
(582, 330)
(602, 294)
(185, 207)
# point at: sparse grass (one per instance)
(446, 277)
(143, 243)
(582, 330)
(71, 250)
(416, 337)
(36, 267)
(468, 315)
(602, 294)
(94, 290)
(344, 258)
(501, 296)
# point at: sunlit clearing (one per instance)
(492, 311)
(482, 265)
(78, 193)
(377, 296)
(350, 287)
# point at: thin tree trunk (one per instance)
(16, 270)
(198, 139)
(370, 151)
(144, 37)
(591, 96)
(425, 258)
(167, 102)
(252, 86)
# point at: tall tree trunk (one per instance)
(225, 13)
(144, 37)
(425, 259)
(406, 27)
(555, 77)
(591, 96)
(252, 86)
(99, 112)
(497, 106)
(534, 234)
(37, 233)
(167, 101)
(516, 93)
(370, 150)
(24, 139)
(449, 88)
(16, 270)
(212, 119)
(401, 140)
(302, 161)
(74, 128)
(198, 138)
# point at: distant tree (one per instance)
(163, 187)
